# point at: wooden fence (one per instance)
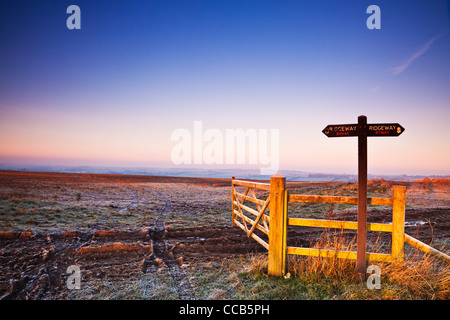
(274, 224)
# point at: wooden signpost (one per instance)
(362, 130)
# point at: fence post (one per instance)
(233, 198)
(277, 226)
(398, 223)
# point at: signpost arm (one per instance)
(362, 200)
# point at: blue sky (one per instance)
(113, 92)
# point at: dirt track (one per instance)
(173, 222)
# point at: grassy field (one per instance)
(200, 256)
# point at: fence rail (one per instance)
(275, 224)
(426, 248)
(249, 184)
(334, 199)
(341, 254)
(338, 224)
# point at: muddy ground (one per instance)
(119, 228)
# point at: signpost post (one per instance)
(362, 130)
(360, 271)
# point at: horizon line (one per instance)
(103, 169)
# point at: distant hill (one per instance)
(291, 175)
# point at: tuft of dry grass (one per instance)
(420, 276)
(318, 268)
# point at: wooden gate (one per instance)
(242, 217)
(272, 225)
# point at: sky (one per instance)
(113, 92)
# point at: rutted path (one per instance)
(160, 222)
(133, 196)
(161, 251)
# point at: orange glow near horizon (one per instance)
(58, 138)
